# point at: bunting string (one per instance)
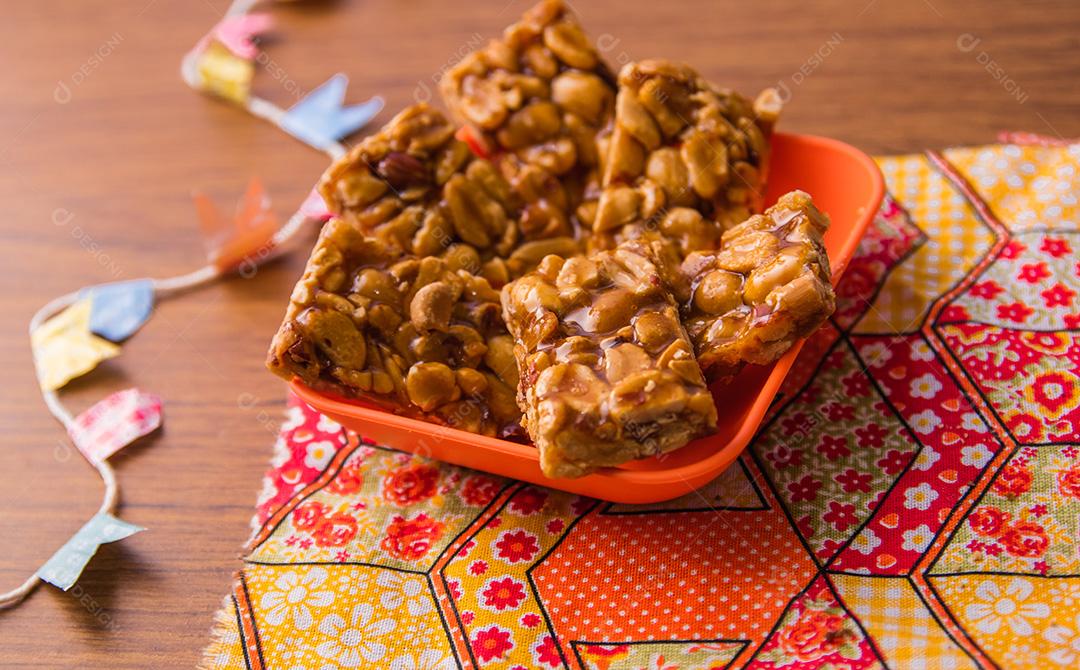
(72, 333)
(222, 64)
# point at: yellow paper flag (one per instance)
(223, 73)
(64, 347)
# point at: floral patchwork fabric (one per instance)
(911, 501)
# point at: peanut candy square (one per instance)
(767, 287)
(541, 92)
(415, 186)
(534, 100)
(682, 158)
(608, 374)
(416, 336)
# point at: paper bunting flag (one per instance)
(225, 75)
(321, 118)
(65, 566)
(119, 309)
(314, 207)
(249, 233)
(223, 59)
(64, 348)
(115, 422)
(237, 33)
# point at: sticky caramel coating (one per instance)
(682, 157)
(540, 92)
(534, 101)
(416, 187)
(412, 335)
(608, 374)
(766, 288)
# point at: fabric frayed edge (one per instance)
(224, 639)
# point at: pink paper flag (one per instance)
(115, 422)
(237, 34)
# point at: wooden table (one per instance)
(101, 144)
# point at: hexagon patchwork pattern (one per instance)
(952, 447)
(956, 239)
(817, 631)
(713, 654)
(832, 450)
(889, 238)
(1017, 621)
(912, 499)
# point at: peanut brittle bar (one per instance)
(541, 92)
(682, 157)
(767, 287)
(415, 186)
(608, 374)
(417, 336)
(534, 101)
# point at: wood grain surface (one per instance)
(101, 145)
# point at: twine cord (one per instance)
(168, 287)
(164, 288)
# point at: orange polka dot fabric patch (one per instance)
(911, 501)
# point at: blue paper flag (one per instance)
(118, 310)
(65, 566)
(320, 119)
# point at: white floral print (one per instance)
(876, 354)
(431, 659)
(293, 596)
(920, 351)
(294, 417)
(925, 386)
(401, 589)
(327, 425)
(919, 497)
(354, 641)
(926, 458)
(318, 454)
(1066, 641)
(971, 421)
(918, 539)
(1010, 608)
(925, 421)
(976, 455)
(866, 542)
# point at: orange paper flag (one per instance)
(247, 235)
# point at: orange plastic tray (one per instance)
(843, 182)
